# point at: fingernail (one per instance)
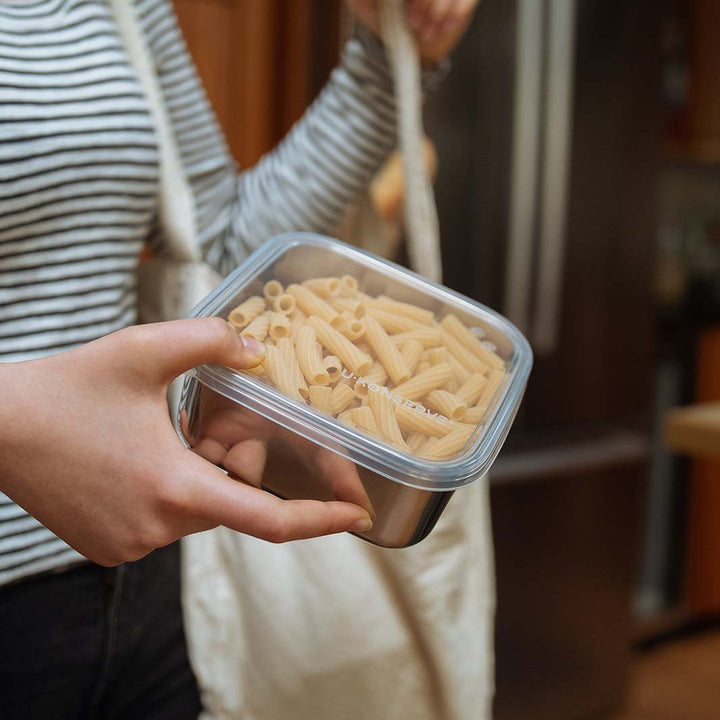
(362, 525)
(252, 346)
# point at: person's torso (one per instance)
(78, 176)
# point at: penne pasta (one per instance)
(392, 323)
(469, 392)
(284, 304)
(339, 345)
(446, 404)
(351, 327)
(381, 407)
(287, 348)
(418, 420)
(279, 326)
(309, 358)
(376, 364)
(437, 355)
(311, 304)
(465, 357)
(416, 442)
(320, 397)
(423, 383)
(445, 447)
(279, 373)
(474, 414)
(323, 287)
(333, 366)
(258, 328)
(348, 285)
(246, 312)
(495, 379)
(386, 352)
(348, 304)
(428, 337)
(365, 420)
(411, 353)
(298, 319)
(454, 326)
(272, 289)
(426, 317)
(342, 396)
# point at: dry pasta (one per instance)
(381, 407)
(333, 366)
(426, 317)
(378, 365)
(447, 404)
(309, 357)
(342, 396)
(272, 289)
(386, 352)
(287, 348)
(427, 336)
(279, 373)
(320, 396)
(452, 324)
(258, 328)
(279, 326)
(393, 323)
(411, 353)
(323, 287)
(469, 392)
(424, 382)
(311, 304)
(284, 304)
(339, 345)
(246, 312)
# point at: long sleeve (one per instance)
(308, 180)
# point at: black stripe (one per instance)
(151, 181)
(63, 278)
(73, 213)
(139, 112)
(124, 291)
(121, 308)
(59, 168)
(56, 151)
(86, 99)
(59, 551)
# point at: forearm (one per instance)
(327, 159)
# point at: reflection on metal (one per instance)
(557, 146)
(526, 135)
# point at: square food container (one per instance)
(241, 419)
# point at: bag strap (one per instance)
(421, 218)
(176, 207)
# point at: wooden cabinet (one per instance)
(261, 61)
(695, 132)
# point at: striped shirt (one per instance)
(79, 180)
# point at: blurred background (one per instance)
(578, 189)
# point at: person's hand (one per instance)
(438, 25)
(87, 447)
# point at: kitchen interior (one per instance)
(578, 191)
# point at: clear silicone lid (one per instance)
(462, 351)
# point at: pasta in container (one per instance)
(378, 387)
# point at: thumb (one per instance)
(162, 351)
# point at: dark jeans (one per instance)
(95, 643)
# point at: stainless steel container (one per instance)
(247, 426)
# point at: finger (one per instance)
(217, 499)
(438, 14)
(246, 461)
(162, 351)
(211, 450)
(343, 479)
(417, 13)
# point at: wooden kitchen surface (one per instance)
(679, 680)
